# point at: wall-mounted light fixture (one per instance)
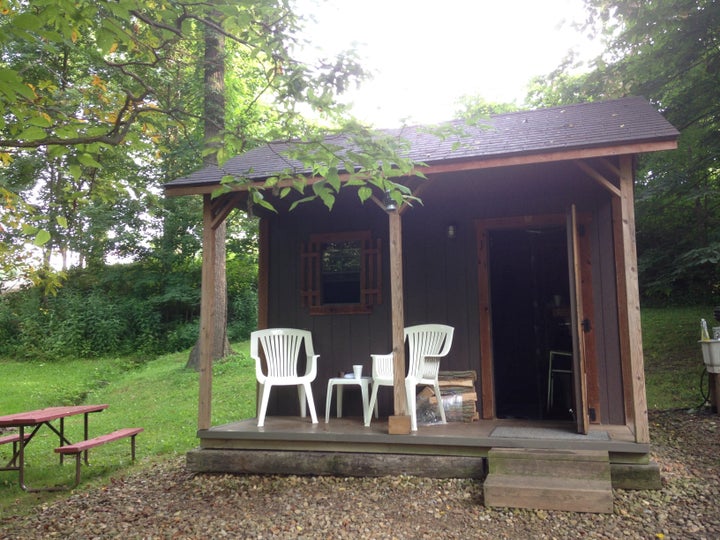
(452, 231)
(389, 202)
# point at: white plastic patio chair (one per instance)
(427, 344)
(281, 348)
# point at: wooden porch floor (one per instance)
(454, 438)
(344, 447)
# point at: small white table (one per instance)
(339, 382)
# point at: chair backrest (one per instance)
(382, 366)
(281, 347)
(427, 340)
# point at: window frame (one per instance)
(311, 283)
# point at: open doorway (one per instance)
(530, 306)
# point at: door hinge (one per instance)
(586, 325)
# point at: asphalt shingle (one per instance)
(619, 122)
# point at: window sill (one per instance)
(341, 309)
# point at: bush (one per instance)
(140, 308)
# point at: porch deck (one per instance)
(453, 438)
(293, 445)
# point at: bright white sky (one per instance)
(428, 53)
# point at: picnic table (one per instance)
(34, 421)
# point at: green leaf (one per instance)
(300, 201)
(33, 133)
(40, 121)
(333, 178)
(41, 238)
(27, 21)
(364, 193)
(89, 161)
(62, 221)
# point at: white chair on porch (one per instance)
(427, 344)
(281, 351)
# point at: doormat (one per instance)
(517, 432)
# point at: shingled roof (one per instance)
(622, 122)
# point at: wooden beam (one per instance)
(207, 314)
(629, 306)
(599, 178)
(398, 322)
(487, 382)
(223, 205)
(263, 273)
(609, 165)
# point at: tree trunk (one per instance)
(214, 114)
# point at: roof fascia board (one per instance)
(473, 164)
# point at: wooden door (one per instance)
(578, 323)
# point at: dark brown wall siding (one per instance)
(440, 274)
(605, 319)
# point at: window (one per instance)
(340, 273)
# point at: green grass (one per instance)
(673, 359)
(160, 395)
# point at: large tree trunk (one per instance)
(214, 126)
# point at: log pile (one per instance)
(457, 389)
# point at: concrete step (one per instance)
(570, 480)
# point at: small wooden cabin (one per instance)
(524, 243)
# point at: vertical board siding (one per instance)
(440, 274)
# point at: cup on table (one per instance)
(357, 371)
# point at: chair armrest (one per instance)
(430, 367)
(311, 368)
(259, 375)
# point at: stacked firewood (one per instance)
(457, 389)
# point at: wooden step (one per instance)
(587, 464)
(571, 480)
(548, 493)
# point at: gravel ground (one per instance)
(171, 503)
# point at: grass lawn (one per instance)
(674, 367)
(161, 396)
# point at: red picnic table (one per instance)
(35, 420)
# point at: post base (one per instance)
(399, 425)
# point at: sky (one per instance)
(426, 54)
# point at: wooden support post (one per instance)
(629, 306)
(400, 422)
(207, 314)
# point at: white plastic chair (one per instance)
(427, 344)
(281, 347)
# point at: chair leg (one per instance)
(410, 389)
(441, 409)
(263, 404)
(301, 400)
(373, 404)
(311, 402)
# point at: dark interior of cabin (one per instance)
(530, 319)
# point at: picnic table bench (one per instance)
(34, 420)
(83, 446)
(13, 438)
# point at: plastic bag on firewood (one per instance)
(427, 409)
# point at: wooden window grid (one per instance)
(370, 273)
